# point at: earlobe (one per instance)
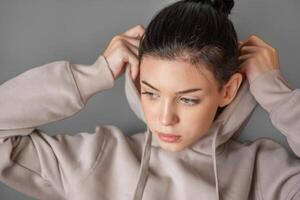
(230, 89)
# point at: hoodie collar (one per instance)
(229, 124)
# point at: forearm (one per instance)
(49, 93)
(282, 103)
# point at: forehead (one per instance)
(175, 74)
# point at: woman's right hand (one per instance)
(123, 50)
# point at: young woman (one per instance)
(194, 85)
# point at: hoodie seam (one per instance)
(44, 180)
(259, 188)
(42, 174)
(75, 85)
(98, 157)
(259, 193)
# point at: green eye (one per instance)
(150, 94)
(190, 101)
(187, 101)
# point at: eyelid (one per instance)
(186, 98)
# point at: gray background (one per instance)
(36, 32)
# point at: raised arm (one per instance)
(31, 161)
(277, 171)
(260, 64)
(282, 103)
(49, 93)
(46, 166)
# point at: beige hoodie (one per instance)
(107, 165)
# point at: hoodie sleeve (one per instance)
(279, 176)
(277, 97)
(31, 161)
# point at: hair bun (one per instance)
(223, 6)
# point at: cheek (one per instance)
(148, 110)
(192, 118)
(199, 119)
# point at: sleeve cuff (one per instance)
(270, 89)
(94, 78)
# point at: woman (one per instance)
(189, 149)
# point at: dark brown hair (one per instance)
(196, 31)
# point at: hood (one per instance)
(228, 124)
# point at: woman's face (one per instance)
(168, 104)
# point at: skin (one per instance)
(170, 113)
(190, 114)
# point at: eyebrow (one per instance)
(179, 92)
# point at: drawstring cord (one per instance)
(215, 163)
(143, 173)
(144, 169)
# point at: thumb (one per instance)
(132, 73)
(136, 73)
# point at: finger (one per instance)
(249, 49)
(133, 63)
(135, 32)
(240, 44)
(132, 47)
(256, 41)
(133, 41)
(245, 57)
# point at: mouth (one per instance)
(168, 137)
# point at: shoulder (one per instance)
(258, 145)
(263, 149)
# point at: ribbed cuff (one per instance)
(94, 78)
(270, 89)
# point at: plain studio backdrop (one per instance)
(36, 32)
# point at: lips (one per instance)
(168, 137)
(168, 134)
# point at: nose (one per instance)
(168, 114)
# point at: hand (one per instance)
(123, 50)
(257, 57)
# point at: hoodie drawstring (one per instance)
(144, 168)
(143, 172)
(215, 163)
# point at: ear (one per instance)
(230, 89)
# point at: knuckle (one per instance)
(119, 41)
(253, 36)
(264, 51)
(119, 38)
(115, 38)
(140, 27)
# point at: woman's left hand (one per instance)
(257, 57)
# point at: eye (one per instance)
(187, 101)
(150, 94)
(190, 101)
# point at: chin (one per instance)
(172, 148)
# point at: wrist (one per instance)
(109, 67)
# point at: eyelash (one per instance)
(194, 101)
